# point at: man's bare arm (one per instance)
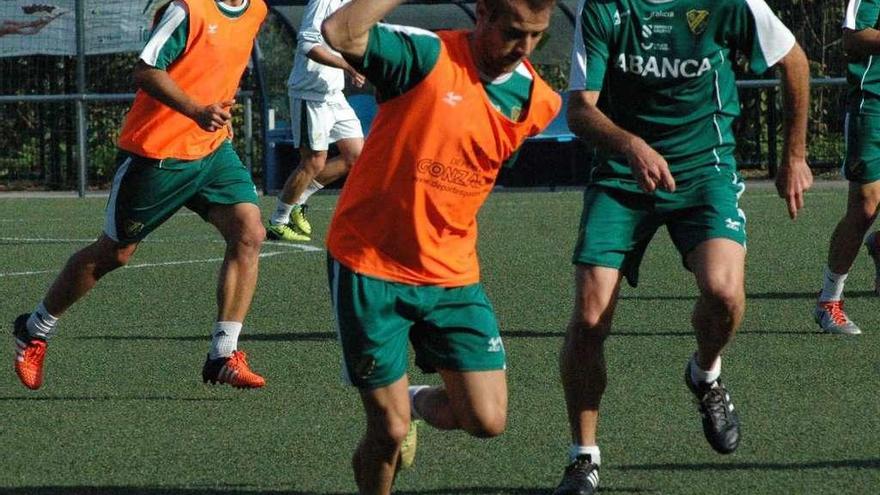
(588, 122)
(325, 57)
(794, 176)
(861, 43)
(348, 29)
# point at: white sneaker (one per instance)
(832, 319)
(413, 390)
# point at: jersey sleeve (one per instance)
(861, 14)
(309, 35)
(168, 38)
(760, 35)
(398, 57)
(589, 52)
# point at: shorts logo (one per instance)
(495, 345)
(697, 21)
(732, 224)
(365, 367)
(854, 167)
(132, 228)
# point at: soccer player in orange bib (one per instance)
(175, 151)
(453, 106)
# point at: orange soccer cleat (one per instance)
(233, 370)
(29, 354)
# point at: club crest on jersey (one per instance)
(515, 113)
(132, 228)
(697, 21)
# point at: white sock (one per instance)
(313, 187)
(832, 286)
(41, 323)
(591, 450)
(282, 213)
(413, 391)
(699, 375)
(224, 338)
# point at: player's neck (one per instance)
(487, 74)
(233, 3)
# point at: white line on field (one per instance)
(181, 240)
(293, 248)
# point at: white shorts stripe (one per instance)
(334, 297)
(110, 216)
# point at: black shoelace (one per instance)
(580, 468)
(715, 403)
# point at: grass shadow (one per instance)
(854, 294)
(120, 398)
(762, 466)
(134, 490)
(507, 334)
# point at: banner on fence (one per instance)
(48, 27)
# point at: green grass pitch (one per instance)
(123, 409)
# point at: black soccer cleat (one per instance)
(581, 477)
(720, 421)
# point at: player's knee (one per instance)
(728, 298)
(861, 216)
(869, 213)
(314, 164)
(870, 200)
(255, 236)
(106, 256)
(250, 238)
(589, 325)
(350, 159)
(121, 257)
(486, 424)
(389, 432)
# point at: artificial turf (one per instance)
(123, 409)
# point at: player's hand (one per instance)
(793, 179)
(215, 116)
(357, 79)
(648, 167)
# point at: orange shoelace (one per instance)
(835, 310)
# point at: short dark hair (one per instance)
(496, 8)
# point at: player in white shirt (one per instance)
(319, 116)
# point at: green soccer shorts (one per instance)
(617, 225)
(146, 192)
(862, 160)
(449, 328)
